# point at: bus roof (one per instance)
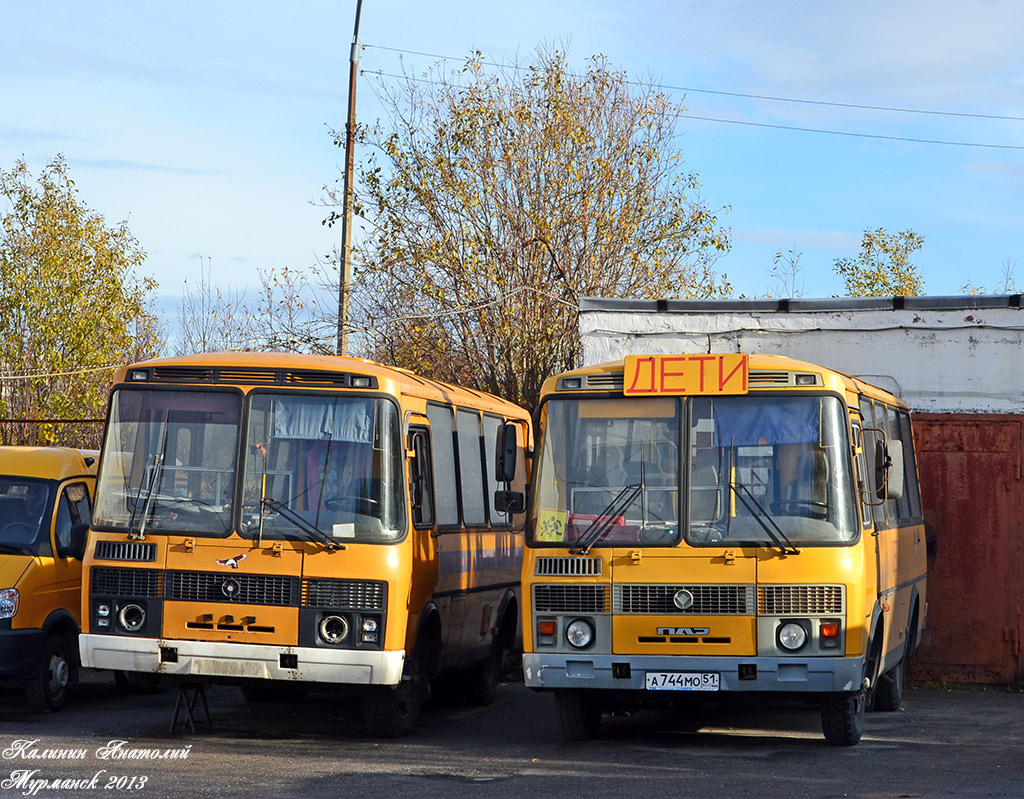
(298, 370)
(761, 368)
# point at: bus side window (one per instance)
(912, 489)
(442, 460)
(421, 488)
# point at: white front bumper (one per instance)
(223, 660)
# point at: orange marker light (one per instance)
(830, 629)
(546, 628)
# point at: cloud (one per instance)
(140, 166)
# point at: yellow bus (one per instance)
(703, 525)
(288, 522)
(45, 495)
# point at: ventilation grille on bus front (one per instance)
(791, 600)
(567, 567)
(258, 377)
(611, 381)
(571, 599)
(705, 600)
(125, 550)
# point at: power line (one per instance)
(853, 134)
(723, 93)
(857, 135)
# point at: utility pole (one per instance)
(345, 281)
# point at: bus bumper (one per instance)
(808, 675)
(226, 661)
(19, 652)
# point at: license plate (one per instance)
(681, 681)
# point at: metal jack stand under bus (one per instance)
(189, 693)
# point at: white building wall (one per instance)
(938, 357)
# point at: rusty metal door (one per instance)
(971, 492)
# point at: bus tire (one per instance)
(889, 694)
(842, 718)
(47, 690)
(482, 689)
(578, 714)
(391, 712)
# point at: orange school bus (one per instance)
(703, 525)
(290, 522)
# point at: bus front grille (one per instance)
(140, 583)
(346, 594)
(704, 600)
(245, 589)
(804, 600)
(570, 599)
(567, 567)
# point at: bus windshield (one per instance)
(610, 472)
(785, 459)
(325, 467)
(169, 462)
(26, 506)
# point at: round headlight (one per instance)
(132, 617)
(580, 633)
(8, 603)
(792, 636)
(334, 629)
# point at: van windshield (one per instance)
(26, 506)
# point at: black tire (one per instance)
(842, 718)
(889, 693)
(393, 712)
(138, 682)
(47, 690)
(578, 714)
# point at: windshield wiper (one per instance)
(155, 470)
(777, 536)
(603, 522)
(314, 533)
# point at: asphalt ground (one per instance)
(943, 743)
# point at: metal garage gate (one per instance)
(970, 466)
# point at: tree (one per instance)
(883, 267)
(496, 198)
(285, 317)
(785, 275)
(72, 308)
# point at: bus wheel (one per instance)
(48, 689)
(579, 715)
(842, 718)
(889, 693)
(392, 712)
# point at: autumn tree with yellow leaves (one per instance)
(72, 308)
(495, 197)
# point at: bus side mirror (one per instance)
(894, 478)
(79, 536)
(509, 502)
(505, 454)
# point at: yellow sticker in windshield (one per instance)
(551, 525)
(647, 375)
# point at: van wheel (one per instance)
(392, 712)
(889, 693)
(842, 718)
(48, 689)
(579, 715)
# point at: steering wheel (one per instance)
(348, 502)
(709, 533)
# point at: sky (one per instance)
(206, 125)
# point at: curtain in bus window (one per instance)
(314, 418)
(768, 421)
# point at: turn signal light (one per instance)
(546, 628)
(830, 629)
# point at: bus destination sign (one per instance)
(647, 375)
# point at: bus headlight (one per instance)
(132, 617)
(791, 636)
(333, 629)
(579, 633)
(8, 603)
